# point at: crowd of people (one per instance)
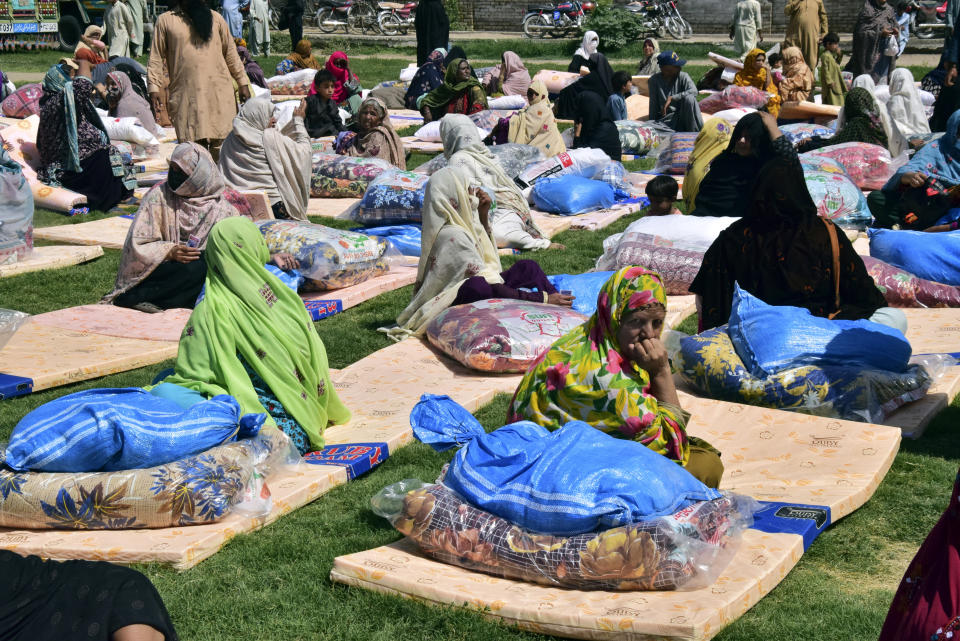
(250, 336)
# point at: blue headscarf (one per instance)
(939, 159)
(56, 81)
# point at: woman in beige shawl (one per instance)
(509, 78)
(510, 219)
(535, 124)
(257, 157)
(372, 136)
(459, 263)
(162, 266)
(797, 80)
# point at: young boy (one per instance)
(833, 88)
(662, 192)
(323, 117)
(776, 67)
(622, 87)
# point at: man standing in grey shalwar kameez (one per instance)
(673, 96)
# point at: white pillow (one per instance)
(693, 232)
(130, 130)
(734, 115)
(507, 102)
(408, 72)
(430, 132)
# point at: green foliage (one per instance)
(616, 27)
(458, 21)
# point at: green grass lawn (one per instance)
(274, 584)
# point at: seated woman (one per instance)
(861, 123)
(510, 220)
(258, 157)
(99, 73)
(162, 265)
(91, 47)
(460, 93)
(710, 143)
(44, 600)
(797, 83)
(905, 108)
(75, 151)
(725, 190)
(613, 373)
(782, 252)
(599, 81)
(254, 71)
(755, 74)
(509, 78)
(124, 102)
(252, 338)
(594, 126)
(372, 136)
(459, 262)
(648, 66)
(533, 125)
(905, 202)
(346, 85)
(300, 58)
(673, 96)
(587, 49)
(428, 77)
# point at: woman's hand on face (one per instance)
(649, 355)
(913, 179)
(183, 254)
(285, 261)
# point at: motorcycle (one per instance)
(556, 19)
(926, 16)
(395, 17)
(350, 14)
(655, 15)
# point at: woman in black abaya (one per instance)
(433, 28)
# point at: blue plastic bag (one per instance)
(292, 279)
(122, 429)
(406, 238)
(568, 195)
(585, 288)
(574, 480)
(770, 339)
(934, 257)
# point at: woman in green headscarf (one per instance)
(251, 337)
(460, 93)
(860, 121)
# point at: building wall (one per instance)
(706, 16)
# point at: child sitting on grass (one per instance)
(622, 87)
(662, 192)
(323, 116)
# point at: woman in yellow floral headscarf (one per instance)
(755, 74)
(613, 373)
(712, 139)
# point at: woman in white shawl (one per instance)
(896, 142)
(459, 262)
(588, 47)
(510, 218)
(904, 106)
(257, 157)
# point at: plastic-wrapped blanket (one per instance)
(329, 258)
(709, 363)
(802, 131)
(16, 211)
(733, 97)
(637, 137)
(868, 166)
(675, 155)
(513, 157)
(498, 335)
(934, 257)
(582, 162)
(23, 102)
(105, 430)
(838, 199)
(676, 264)
(902, 289)
(394, 197)
(336, 176)
(295, 83)
(203, 488)
(687, 550)
(130, 130)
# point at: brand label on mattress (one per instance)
(819, 516)
(807, 521)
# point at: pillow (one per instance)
(709, 363)
(734, 115)
(675, 156)
(556, 81)
(393, 198)
(802, 131)
(568, 195)
(687, 232)
(663, 554)
(770, 339)
(500, 335)
(336, 176)
(934, 257)
(733, 97)
(430, 132)
(130, 130)
(507, 102)
(676, 265)
(838, 199)
(190, 491)
(585, 288)
(868, 166)
(23, 102)
(637, 137)
(902, 289)
(329, 258)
